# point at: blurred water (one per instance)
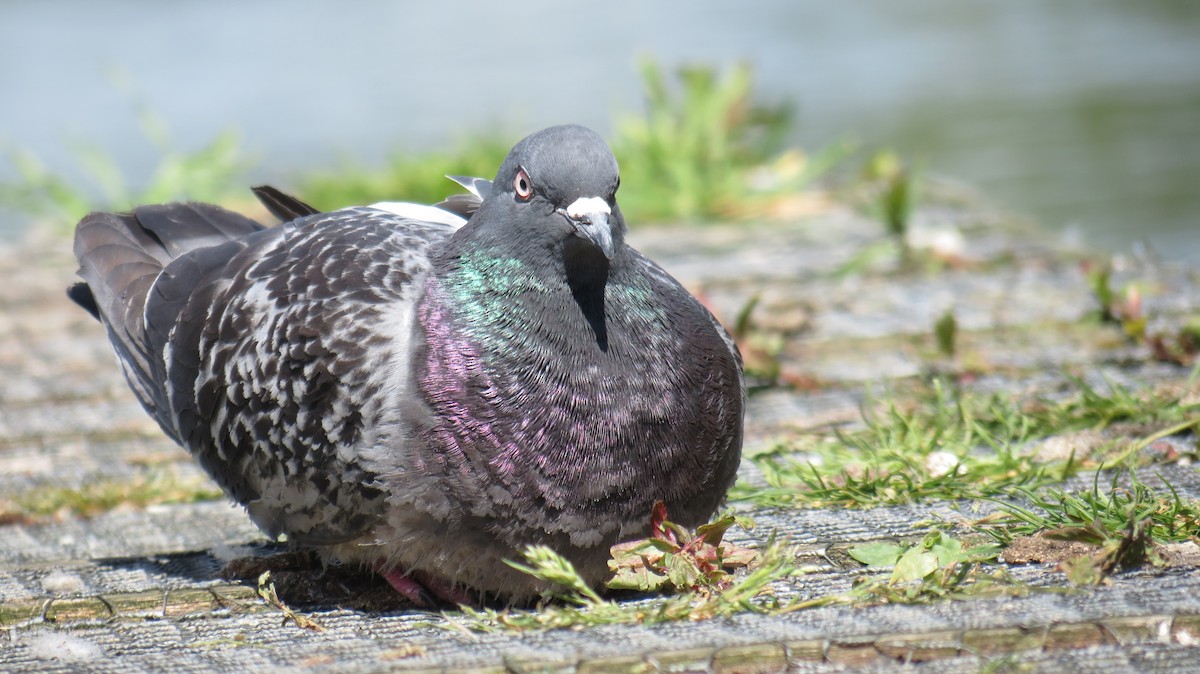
(1083, 113)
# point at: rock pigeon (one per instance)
(422, 393)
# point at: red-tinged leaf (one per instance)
(674, 558)
(658, 523)
(713, 532)
(733, 556)
(682, 573)
(635, 553)
(705, 553)
(661, 545)
(679, 534)
(641, 579)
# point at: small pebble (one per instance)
(62, 583)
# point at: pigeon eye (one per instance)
(522, 185)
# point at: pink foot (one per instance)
(425, 590)
(411, 589)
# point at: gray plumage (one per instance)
(421, 397)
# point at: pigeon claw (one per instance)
(425, 590)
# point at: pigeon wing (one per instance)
(282, 354)
(465, 205)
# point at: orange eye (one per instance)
(522, 185)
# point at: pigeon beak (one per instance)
(595, 228)
(590, 217)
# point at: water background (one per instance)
(1084, 114)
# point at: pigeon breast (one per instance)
(559, 427)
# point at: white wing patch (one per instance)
(420, 212)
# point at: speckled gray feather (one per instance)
(410, 395)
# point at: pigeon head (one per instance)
(559, 185)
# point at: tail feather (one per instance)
(118, 260)
(180, 228)
(281, 205)
(121, 256)
(82, 295)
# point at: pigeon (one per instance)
(425, 391)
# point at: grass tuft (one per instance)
(957, 445)
(578, 608)
(692, 565)
(153, 487)
(936, 568)
(1119, 528)
(704, 149)
(1101, 515)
